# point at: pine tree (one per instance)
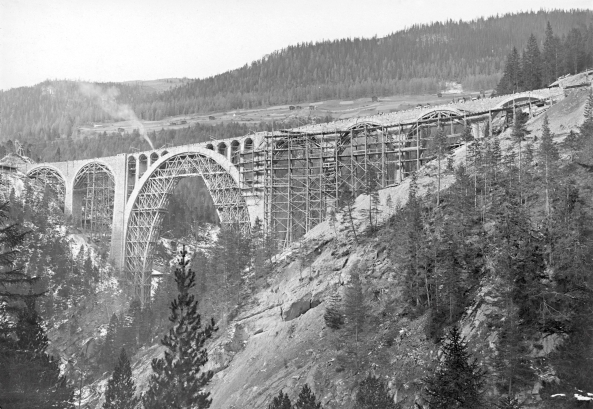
(549, 57)
(518, 134)
(112, 343)
(120, 392)
(178, 379)
(572, 144)
(548, 154)
(307, 399)
(509, 402)
(457, 382)
(586, 128)
(354, 312)
(532, 66)
(280, 402)
(511, 79)
(374, 394)
(334, 316)
(30, 378)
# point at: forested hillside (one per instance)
(412, 61)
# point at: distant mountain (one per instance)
(412, 61)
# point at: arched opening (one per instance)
(132, 174)
(164, 153)
(222, 149)
(235, 152)
(153, 158)
(142, 165)
(50, 178)
(247, 163)
(210, 146)
(93, 195)
(248, 145)
(148, 206)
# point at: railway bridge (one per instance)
(288, 178)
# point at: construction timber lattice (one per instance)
(290, 179)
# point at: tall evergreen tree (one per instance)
(511, 78)
(30, 378)
(178, 379)
(548, 154)
(307, 399)
(531, 70)
(458, 381)
(334, 315)
(550, 57)
(120, 392)
(282, 401)
(374, 394)
(111, 344)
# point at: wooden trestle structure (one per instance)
(305, 173)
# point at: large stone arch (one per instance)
(149, 201)
(519, 99)
(52, 177)
(93, 196)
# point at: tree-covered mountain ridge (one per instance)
(416, 60)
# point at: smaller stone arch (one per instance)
(248, 145)
(142, 164)
(153, 158)
(164, 153)
(222, 149)
(51, 177)
(132, 172)
(235, 152)
(210, 146)
(519, 99)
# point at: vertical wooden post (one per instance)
(417, 146)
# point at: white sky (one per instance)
(118, 40)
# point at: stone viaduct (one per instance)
(288, 179)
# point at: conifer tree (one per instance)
(120, 392)
(511, 79)
(518, 134)
(179, 379)
(586, 128)
(307, 399)
(282, 401)
(374, 394)
(112, 343)
(548, 154)
(572, 144)
(532, 66)
(509, 402)
(458, 381)
(30, 378)
(334, 316)
(549, 57)
(355, 318)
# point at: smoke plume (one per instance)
(106, 98)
